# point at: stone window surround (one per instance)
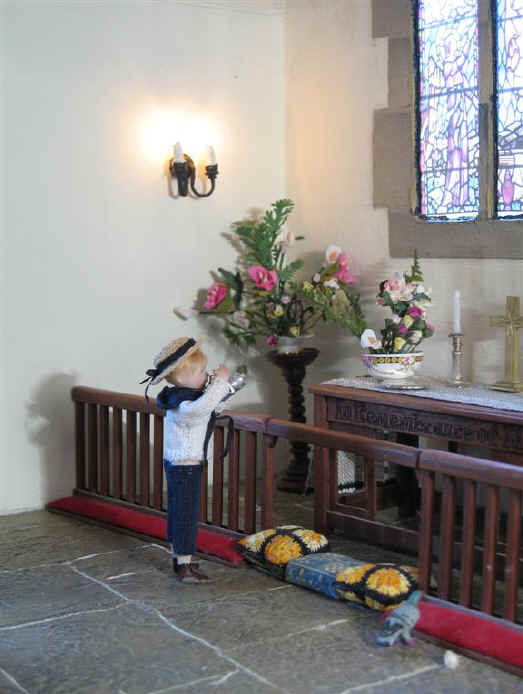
(393, 155)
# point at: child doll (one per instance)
(189, 405)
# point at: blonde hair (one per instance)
(195, 360)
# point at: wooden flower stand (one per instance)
(293, 366)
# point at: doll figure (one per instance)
(190, 403)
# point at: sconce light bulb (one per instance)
(211, 155)
(178, 153)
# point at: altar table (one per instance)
(468, 416)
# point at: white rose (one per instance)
(368, 339)
(332, 284)
(331, 254)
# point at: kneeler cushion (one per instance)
(318, 571)
(272, 549)
(207, 541)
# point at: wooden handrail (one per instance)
(328, 438)
(466, 467)
(245, 421)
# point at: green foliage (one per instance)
(277, 303)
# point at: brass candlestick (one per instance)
(457, 360)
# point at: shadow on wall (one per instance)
(50, 426)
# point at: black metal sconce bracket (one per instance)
(185, 174)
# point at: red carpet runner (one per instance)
(207, 541)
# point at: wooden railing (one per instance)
(116, 466)
(475, 549)
(119, 458)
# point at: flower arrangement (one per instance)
(265, 298)
(408, 299)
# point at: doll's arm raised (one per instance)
(205, 404)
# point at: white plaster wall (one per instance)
(97, 253)
(336, 77)
(3, 279)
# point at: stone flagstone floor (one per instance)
(84, 610)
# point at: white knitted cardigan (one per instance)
(185, 426)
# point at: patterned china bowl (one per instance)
(392, 366)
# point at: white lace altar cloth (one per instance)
(439, 389)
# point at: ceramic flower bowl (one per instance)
(392, 366)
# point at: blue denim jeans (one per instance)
(183, 505)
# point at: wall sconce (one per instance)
(182, 167)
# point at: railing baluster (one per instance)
(512, 555)
(217, 478)
(268, 481)
(103, 419)
(249, 522)
(158, 463)
(203, 492)
(425, 533)
(233, 483)
(370, 484)
(489, 549)
(131, 456)
(117, 452)
(80, 444)
(92, 447)
(467, 552)
(446, 536)
(144, 458)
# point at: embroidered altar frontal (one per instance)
(318, 571)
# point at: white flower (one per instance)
(331, 254)
(286, 239)
(241, 319)
(396, 319)
(333, 284)
(369, 339)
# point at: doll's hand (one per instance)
(222, 372)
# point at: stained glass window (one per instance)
(509, 107)
(448, 109)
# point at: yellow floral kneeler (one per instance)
(378, 586)
(272, 549)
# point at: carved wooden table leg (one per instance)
(293, 367)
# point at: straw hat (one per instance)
(166, 361)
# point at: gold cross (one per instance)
(512, 321)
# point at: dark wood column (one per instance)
(293, 367)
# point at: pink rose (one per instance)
(415, 311)
(215, 295)
(272, 340)
(263, 278)
(345, 276)
(286, 299)
(316, 278)
(402, 329)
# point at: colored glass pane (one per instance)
(509, 108)
(448, 109)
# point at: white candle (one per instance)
(211, 156)
(457, 311)
(178, 153)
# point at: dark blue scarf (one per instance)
(170, 399)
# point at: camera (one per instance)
(236, 382)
